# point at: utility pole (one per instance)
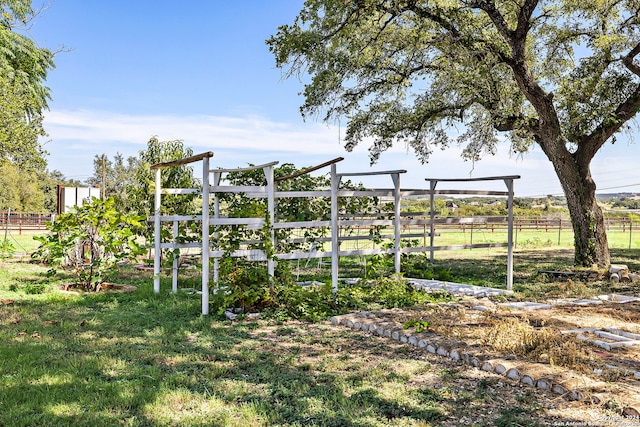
(104, 176)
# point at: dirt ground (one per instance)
(609, 380)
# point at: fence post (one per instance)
(217, 178)
(509, 183)
(630, 230)
(176, 259)
(271, 207)
(6, 224)
(559, 229)
(432, 215)
(206, 221)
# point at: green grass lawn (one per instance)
(142, 359)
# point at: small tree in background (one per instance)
(140, 194)
(119, 175)
(19, 189)
(91, 240)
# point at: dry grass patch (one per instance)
(512, 335)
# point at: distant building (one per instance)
(70, 197)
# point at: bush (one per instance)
(91, 240)
(7, 249)
(243, 284)
(248, 286)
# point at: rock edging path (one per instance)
(568, 384)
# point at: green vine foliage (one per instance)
(246, 284)
(292, 209)
(91, 240)
(318, 302)
(7, 249)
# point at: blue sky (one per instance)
(201, 72)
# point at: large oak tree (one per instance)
(562, 74)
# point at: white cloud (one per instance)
(200, 132)
(77, 136)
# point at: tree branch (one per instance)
(590, 144)
(524, 20)
(429, 15)
(628, 61)
(496, 17)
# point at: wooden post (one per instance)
(271, 207)
(217, 177)
(559, 229)
(432, 208)
(104, 176)
(6, 225)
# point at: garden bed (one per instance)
(526, 347)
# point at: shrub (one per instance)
(7, 249)
(91, 240)
(248, 286)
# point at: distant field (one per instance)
(25, 244)
(23, 241)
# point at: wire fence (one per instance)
(623, 232)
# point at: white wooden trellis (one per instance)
(271, 193)
(508, 180)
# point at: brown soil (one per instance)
(104, 287)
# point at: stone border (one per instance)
(569, 385)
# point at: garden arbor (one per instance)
(214, 223)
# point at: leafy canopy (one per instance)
(19, 189)
(408, 70)
(23, 95)
(139, 193)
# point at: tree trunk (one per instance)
(590, 237)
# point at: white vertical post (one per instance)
(432, 215)
(205, 235)
(509, 183)
(268, 173)
(174, 275)
(217, 177)
(335, 249)
(396, 220)
(156, 232)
